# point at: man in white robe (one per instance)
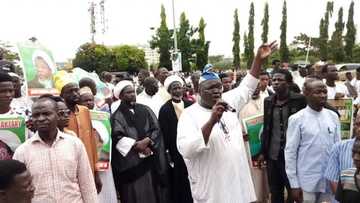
(210, 139)
(150, 96)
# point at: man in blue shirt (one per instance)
(341, 157)
(310, 135)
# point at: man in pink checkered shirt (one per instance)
(57, 161)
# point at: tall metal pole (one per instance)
(307, 53)
(175, 37)
(92, 21)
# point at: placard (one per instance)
(346, 111)
(101, 123)
(253, 128)
(12, 131)
(39, 67)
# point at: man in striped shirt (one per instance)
(341, 157)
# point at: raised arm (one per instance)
(263, 52)
(241, 95)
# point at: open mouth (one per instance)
(217, 96)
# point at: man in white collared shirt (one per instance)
(310, 135)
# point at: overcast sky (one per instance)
(63, 25)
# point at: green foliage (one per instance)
(265, 24)
(324, 30)
(350, 33)
(336, 43)
(93, 57)
(246, 54)
(250, 38)
(356, 54)
(99, 58)
(301, 42)
(184, 43)
(284, 50)
(201, 46)
(224, 64)
(128, 58)
(216, 58)
(9, 55)
(236, 40)
(162, 41)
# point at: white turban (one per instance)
(171, 79)
(120, 86)
(85, 90)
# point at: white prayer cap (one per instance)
(171, 79)
(85, 90)
(120, 86)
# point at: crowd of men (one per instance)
(180, 139)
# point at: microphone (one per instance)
(228, 107)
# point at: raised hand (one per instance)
(266, 50)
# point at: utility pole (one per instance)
(176, 56)
(175, 37)
(103, 19)
(92, 21)
(308, 50)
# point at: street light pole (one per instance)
(175, 37)
(308, 50)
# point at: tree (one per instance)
(301, 42)
(162, 41)
(246, 49)
(250, 37)
(350, 33)
(265, 24)
(236, 40)
(324, 30)
(184, 42)
(300, 46)
(93, 57)
(201, 46)
(284, 50)
(7, 54)
(216, 58)
(356, 53)
(336, 43)
(128, 58)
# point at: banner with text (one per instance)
(12, 131)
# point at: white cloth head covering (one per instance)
(85, 90)
(171, 79)
(120, 86)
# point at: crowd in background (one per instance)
(177, 137)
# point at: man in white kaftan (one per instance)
(210, 139)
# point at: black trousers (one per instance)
(278, 180)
